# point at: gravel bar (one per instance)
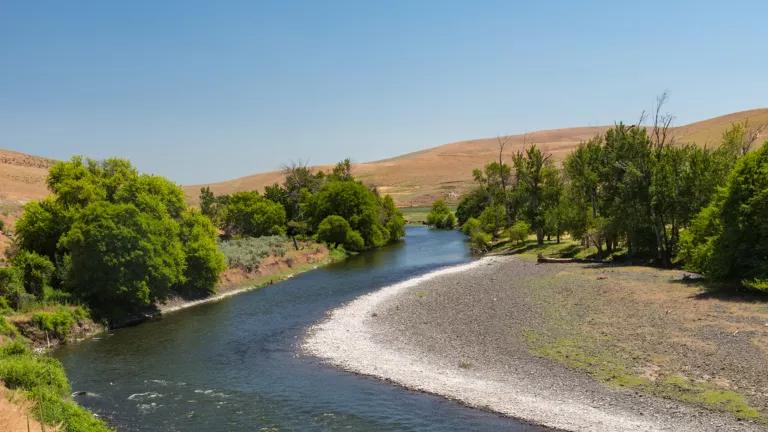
(457, 332)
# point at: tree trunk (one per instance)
(540, 236)
(295, 244)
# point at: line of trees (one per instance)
(335, 208)
(634, 189)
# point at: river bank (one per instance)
(569, 346)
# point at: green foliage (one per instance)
(60, 321)
(441, 216)
(36, 271)
(114, 238)
(43, 380)
(518, 232)
(729, 239)
(470, 225)
(11, 285)
(336, 231)
(250, 214)
(493, 219)
(375, 219)
(27, 371)
(120, 256)
(539, 188)
(6, 328)
(203, 260)
(472, 205)
(479, 240)
(247, 252)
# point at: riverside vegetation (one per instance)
(112, 244)
(633, 196)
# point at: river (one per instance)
(234, 365)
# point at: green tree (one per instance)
(729, 239)
(441, 216)
(539, 187)
(122, 260)
(250, 214)
(518, 232)
(335, 230)
(203, 260)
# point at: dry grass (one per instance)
(417, 179)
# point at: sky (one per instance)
(203, 91)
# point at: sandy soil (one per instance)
(463, 333)
(15, 414)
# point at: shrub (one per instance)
(470, 225)
(6, 328)
(58, 410)
(479, 240)
(25, 371)
(441, 216)
(204, 261)
(248, 252)
(36, 271)
(335, 230)
(60, 321)
(250, 214)
(11, 285)
(493, 218)
(519, 231)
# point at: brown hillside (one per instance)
(416, 179)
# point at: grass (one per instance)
(418, 215)
(42, 380)
(585, 354)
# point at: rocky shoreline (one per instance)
(460, 333)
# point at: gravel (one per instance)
(458, 333)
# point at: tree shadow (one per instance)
(724, 291)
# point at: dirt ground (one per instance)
(15, 414)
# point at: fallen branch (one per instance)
(548, 260)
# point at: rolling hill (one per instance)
(413, 179)
(417, 179)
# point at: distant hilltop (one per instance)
(413, 179)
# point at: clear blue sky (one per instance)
(203, 91)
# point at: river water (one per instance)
(235, 365)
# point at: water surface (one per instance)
(234, 365)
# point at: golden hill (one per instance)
(417, 179)
(413, 179)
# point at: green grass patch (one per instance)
(59, 321)
(43, 381)
(585, 355)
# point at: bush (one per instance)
(479, 240)
(470, 225)
(493, 218)
(6, 328)
(36, 271)
(519, 231)
(335, 231)
(246, 253)
(58, 410)
(60, 321)
(441, 216)
(45, 383)
(25, 371)
(11, 285)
